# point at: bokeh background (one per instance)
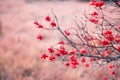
(20, 50)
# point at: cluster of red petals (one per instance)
(51, 58)
(112, 72)
(83, 51)
(51, 50)
(38, 24)
(62, 50)
(118, 48)
(105, 42)
(47, 18)
(73, 61)
(111, 66)
(83, 60)
(44, 56)
(67, 63)
(67, 33)
(117, 38)
(86, 65)
(53, 24)
(108, 35)
(94, 13)
(108, 32)
(119, 27)
(93, 20)
(106, 53)
(105, 77)
(61, 42)
(72, 52)
(97, 3)
(118, 2)
(40, 37)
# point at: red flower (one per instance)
(86, 65)
(118, 48)
(83, 51)
(36, 23)
(83, 60)
(93, 20)
(50, 50)
(111, 66)
(112, 72)
(67, 64)
(118, 2)
(91, 59)
(110, 38)
(97, 3)
(94, 14)
(47, 18)
(51, 58)
(74, 62)
(40, 26)
(100, 3)
(105, 42)
(61, 42)
(53, 24)
(72, 52)
(107, 53)
(107, 32)
(105, 77)
(74, 66)
(40, 37)
(72, 57)
(57, 54)
(44, 56)
(67, 33)
(117, 38)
